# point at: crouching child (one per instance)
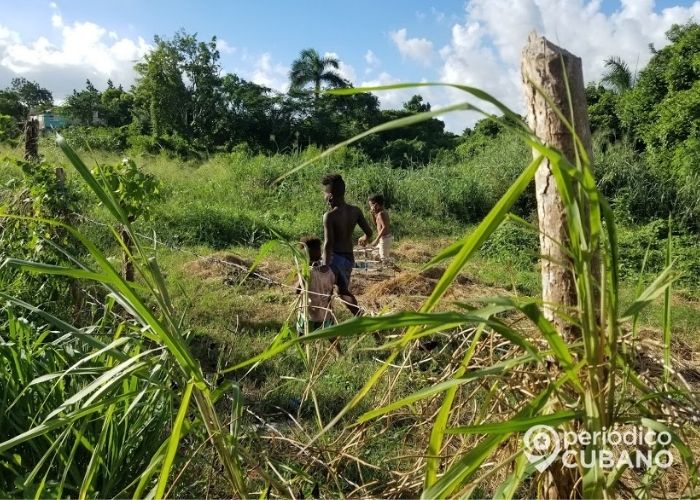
(315, 308)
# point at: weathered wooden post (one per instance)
(31, 140)
(547, 69)
(543, 66)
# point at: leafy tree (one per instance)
(160, 89)
(116, 105)
(8, 128)
(662, 112)
(475, 140)
(248, 113)
(418, 143)
(618, 75)
(200, 67)
(416, 105)
(674, 68)
(602, 112)
(179, 89)
(11, 105)
(136, 192)
(310, 67)
(32, 96)
(83, 106)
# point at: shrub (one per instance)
(513, 243)
(113, 139)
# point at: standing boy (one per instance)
(338, 225)
(384, 239)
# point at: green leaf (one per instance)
(517, 424)
(174, 441)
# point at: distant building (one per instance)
(49, 120)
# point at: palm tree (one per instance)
(310, 67)
(618, 76)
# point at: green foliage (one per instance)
(310, 67)
(32, 97)
(133, 189)
(658, 113)
(43, 372)
(42, 192)
(116, 105)
(643, 248)
(618, 75)
(8, 128)
(178, 89)
(83, 107)
(111, 139)
(513, 243)
(602, 112)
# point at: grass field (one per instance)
(210, 225)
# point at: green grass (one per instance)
(227, 203)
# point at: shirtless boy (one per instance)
(384, 239)
(338, 225)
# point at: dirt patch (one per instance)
(217, 265)
(433, 273)
(405, 283)
(229, 267)
(418, 252)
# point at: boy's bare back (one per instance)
(339, 223)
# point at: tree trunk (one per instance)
(550, 68)
(543, 66)
(31, 140)
(127, 264)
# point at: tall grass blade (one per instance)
(174, 441)
(667, 311)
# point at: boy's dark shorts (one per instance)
(341, 264)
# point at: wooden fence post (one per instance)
(543, 66)
(547, 69)
(31, 140)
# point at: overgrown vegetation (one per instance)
(190, 381)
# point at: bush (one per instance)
(513, 243)
(199, 224)
(97, 138)
(651, 240)
(8, 128)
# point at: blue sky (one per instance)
(62, 43)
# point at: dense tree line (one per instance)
(182, 102)
(657, 115)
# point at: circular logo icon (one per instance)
(541, 440)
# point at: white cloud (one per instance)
(8, 37)
(372, 61)
(224, 47)
(484, 50)
(270, 74)
(346, 71)
(53, 5)
(84, 50)
(371, 58)
(418, 49)
(438, 15)
(388, 99)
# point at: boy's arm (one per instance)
(327, 240)
(362, 222)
